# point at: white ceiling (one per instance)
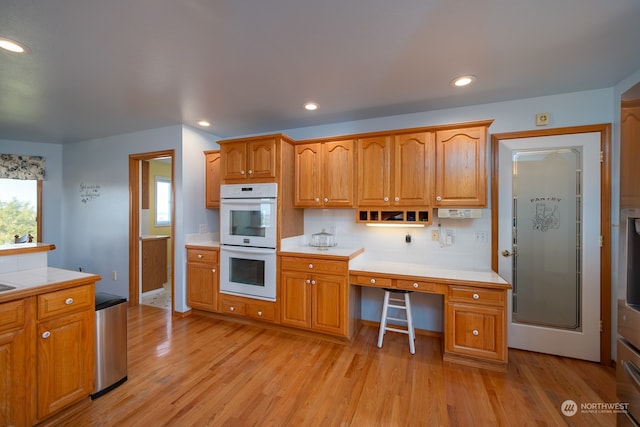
(106, 67)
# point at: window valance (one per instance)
(14, 166)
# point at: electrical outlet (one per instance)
(114, 275)
(435, 235)
(542, 119)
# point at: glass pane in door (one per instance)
(547, 238)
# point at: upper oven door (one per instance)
(248, 222)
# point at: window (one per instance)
(20, 212)
(163, 202)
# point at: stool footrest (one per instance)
(402, 331)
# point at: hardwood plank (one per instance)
(205, 371)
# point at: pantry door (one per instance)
(549, 236)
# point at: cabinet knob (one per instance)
(250, 172)
(242, 172)
(232, 308)
(317, 199)
(386, 199)
(476, 296)
(397, 199)
(415, 285)
(308, 282)
(475, 332)
(46, 334)
(260, 313)
(68, 301)
(310, 265)
(439, 199)
(326, 199)
(313, 282)
(199, 255)
(213, 270)
(373, 281)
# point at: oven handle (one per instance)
(271, 200)
(250, 250)
(632, 371)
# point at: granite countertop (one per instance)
(37, 280)
(365, 265)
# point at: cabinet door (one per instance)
(295, 299)
(308, 169)
(329, 304)
(212, 179)
(461, 168)
(234, 160)
(261, 158)
(14, 364)
(629, 154)
(476, 330)
(412, 170)
(374, 171)
(202, 286)
(337, 176)
(65, 361)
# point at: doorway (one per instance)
(151, 229)
(551, 238)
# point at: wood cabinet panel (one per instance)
(295, 299)
(476, 295)
(250, 159)
(329, 304)
(65, 361)
(412, 169)
(373, 281)
(234, 160)
(212, 179)
(308, 175)
(461, 167)
(314, 265)
(65, 301)
(629, 154)
(476, 330)
(230, 305)
(154, 263)
(374, 170)
(202, 279)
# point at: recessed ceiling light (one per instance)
(311, 106)
(12, 46)
(462, 81)
(204, 123)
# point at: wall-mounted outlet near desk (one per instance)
(435, 235)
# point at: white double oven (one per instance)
(248, 236)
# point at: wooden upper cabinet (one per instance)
(324, 174)
(374, 170)
(212, 179)
(413, 169)
(461, 167)
(629, 154)
(251, 159)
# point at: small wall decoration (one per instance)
(89, 192)
(546, 213)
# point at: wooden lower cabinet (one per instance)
(14, 362)
(65, 340)
(313, 299)
(202, 278)
(476, 324)
(248, 307)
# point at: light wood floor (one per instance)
(199, 371)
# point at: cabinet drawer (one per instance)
(314, 265)
(374, 281)
(476, 331)
(12, 315)
(200, 255)
(476, 295)
(65, 301)
(232, 306)
(418, 286)
(262, 311)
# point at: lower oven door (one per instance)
(248, 272)
(628, 379)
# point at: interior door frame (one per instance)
(134, 223)
(605, 215)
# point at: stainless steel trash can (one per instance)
(111, 343)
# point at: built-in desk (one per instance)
(475, 320)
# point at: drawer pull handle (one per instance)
(373, 281)
(46, 334)
(260, 313)
(310, 265)
(199, 255)
(232, 308)
(415, 285)
(476, 296)
(68, 301)
(475, 332)
(439, 199)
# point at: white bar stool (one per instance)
(399, 304)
